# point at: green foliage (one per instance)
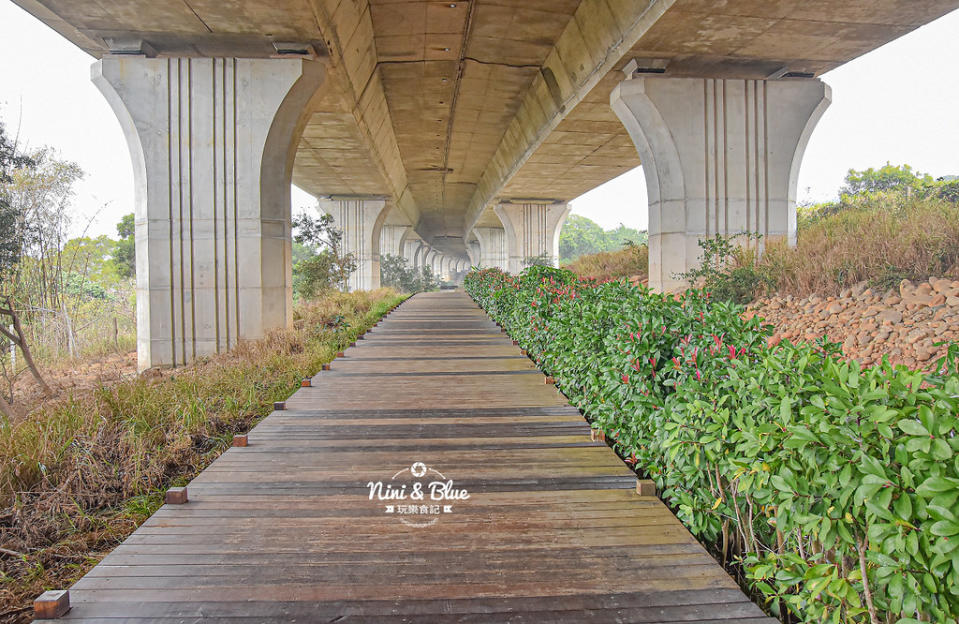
(124, 253)
(11, 234)
(321, 273)
(729, 272)
(326, 268)
(804, 468)
(395, 272)
(581, 236)
(886, 178)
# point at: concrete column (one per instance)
(419, 256)
(410, 247)
(473, 251)
(391, 239)
(212, 143)
(361, 220)
(720, 157)
(532, 229)
(492, 247)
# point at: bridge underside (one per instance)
(466, 126)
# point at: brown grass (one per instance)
(626, 262)
(78, 475)
(881, 239)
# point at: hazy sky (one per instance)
(896, 104)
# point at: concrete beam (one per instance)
(591, 45)
(355, 75)
(532, 230)
(212, 143)
(720, 157)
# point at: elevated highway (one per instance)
(448, 132)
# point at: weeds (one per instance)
(78, 475)
(630, 261)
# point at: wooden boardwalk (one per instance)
(284, 530)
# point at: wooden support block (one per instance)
(550, 381)
(523, 352)
(51, 604)
(279, 405)
(645, 487)
(326, 367)
(176, 496)
(241, 440)
(306, 383)
(340, 354)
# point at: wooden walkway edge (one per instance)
(284, 530)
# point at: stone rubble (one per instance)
(902, 324)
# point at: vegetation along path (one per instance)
(522, 517)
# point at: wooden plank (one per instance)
(285, 530)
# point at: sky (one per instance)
(896, 104)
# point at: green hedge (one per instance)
(805, 468)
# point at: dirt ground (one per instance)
(71, 375)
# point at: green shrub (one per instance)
(834, 487)
(729, 271)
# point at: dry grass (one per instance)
(78, 475)
(881, 239)
(626, 262)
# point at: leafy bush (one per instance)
(729, 271)
(835, 487)
(543, 259)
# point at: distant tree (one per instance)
(124, 254)
(11, 235)
(624, 236)
(328, 267)
(395, 272)
(580, 236)
(886, 178)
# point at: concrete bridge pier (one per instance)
(492, 247)
(212, 142)
(361, 220)
(720, 157)
(410, 247)
(473, 251)
(532, 230)
(419, 256)
(392, 238)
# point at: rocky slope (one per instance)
(902, 324)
